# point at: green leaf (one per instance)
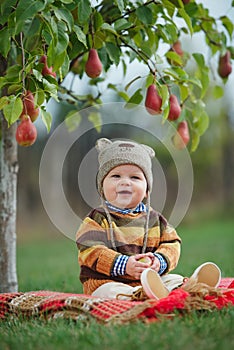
(112, 87)
(99, 39)
(166, 112)
(195, 141)
(122, 24)
(97, 20)
(80, 35)
(123, 95)
(205, 80)
(203, 123)
(27, 9)
(6, 9)
(200, 117)
(84, 10)
(120, 4)
(13, 109)
(202, 74)
(164, 92)
(195, 81)
(109, 28)
(3, 82)
(5, 42)
(66, 65)
(177, 3)
(187, 19)
(184, 92)
(144, 14)
(39, 97)
(37, 74)
(13, 73)
(72, 120)
(113, 52)
(131, 82)
(59, 60)
(14, 88)
(46, 118)
(174, 58)
(63, 14)
(145, 49)
(63, 39)
(228, 24)
(138, 39)
(134, 100)
(170, 6)
(67, 1)
(149, 80)
(218, 92)
(96, 119)
(177, 73)
(3, 101)
(50, 88)
(124, 67)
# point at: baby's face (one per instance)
(125, 186)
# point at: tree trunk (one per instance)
(8, 193)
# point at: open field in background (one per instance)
(51, 263)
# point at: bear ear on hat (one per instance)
(102, 144)
(149, 150)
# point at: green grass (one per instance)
(51, 264)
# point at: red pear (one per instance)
(26, 132)
(182, 137)
(175, 109)
(29, 106)
(46, 70)
(185, 2)
(225, 67)
(153, 101)
(93, 66)
(176, 47)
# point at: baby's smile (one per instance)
(124, 192)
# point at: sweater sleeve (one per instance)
(163, 263)
(119, 267)
(170, 245)
(92, 243)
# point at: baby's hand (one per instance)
(155, 264)
(135, 267)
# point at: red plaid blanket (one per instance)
(52, 305)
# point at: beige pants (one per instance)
(112, 289)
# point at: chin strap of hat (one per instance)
(110, 225)
(146, 223)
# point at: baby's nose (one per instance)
(125, 181)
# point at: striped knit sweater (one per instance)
(96, 256)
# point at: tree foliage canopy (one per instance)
(65, 31)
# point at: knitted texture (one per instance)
(96, 256)
(112, 154)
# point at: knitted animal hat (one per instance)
(112, 154)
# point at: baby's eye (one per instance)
(115, 176)
(136, 177)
